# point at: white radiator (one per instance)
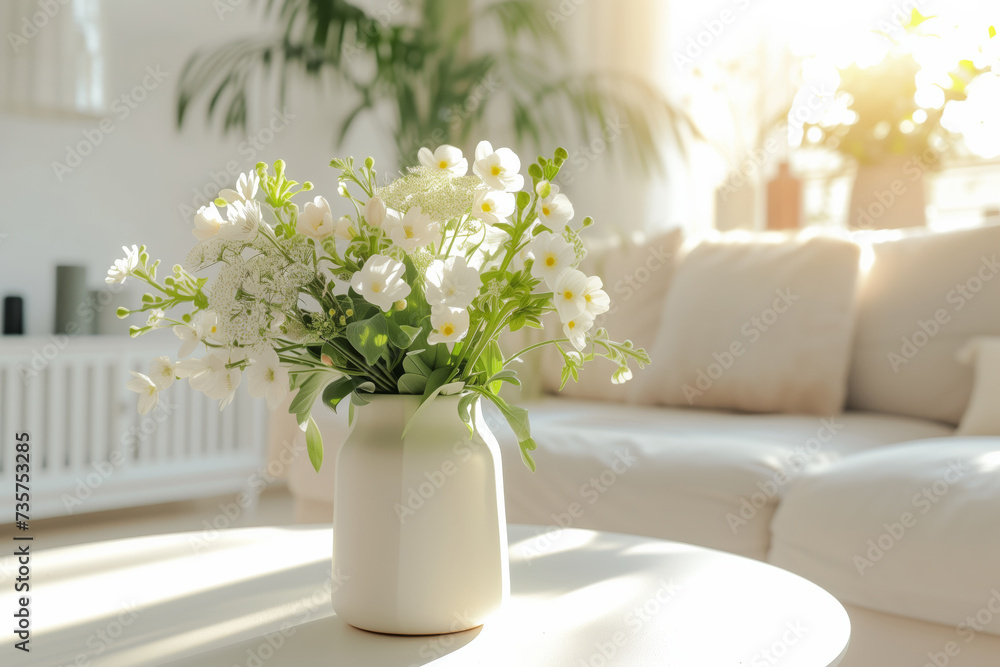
(91, 450)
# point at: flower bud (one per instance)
(122, 312)
(543, 189)
(375, 212)
(400, 305)
(369, 162)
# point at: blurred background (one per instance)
(118, 119)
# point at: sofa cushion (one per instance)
(924, 297)
(760, 325)
(705, 477)
(637, 277)
(982, 416)
(909, 529)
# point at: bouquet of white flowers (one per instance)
(406, 294)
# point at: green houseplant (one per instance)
(422, 60)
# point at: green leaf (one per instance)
(309, 389)
(517, 419)
(335, 392)
(466, 406)
(411, 383)
(314, 444)
(444, 389)
(369, 337)
(507, 375)
(412, 363)
(401, 335)
(436, 380)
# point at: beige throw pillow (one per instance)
(760, 326)
(924, 297)
(982, 416)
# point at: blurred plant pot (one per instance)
(419, 528)
(889, 195)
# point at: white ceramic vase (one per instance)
(420, 533)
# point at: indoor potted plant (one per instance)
(395, 307)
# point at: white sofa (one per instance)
(896, 514)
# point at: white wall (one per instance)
(131, 187)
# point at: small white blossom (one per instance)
(381, 281)
(162, 372)
(316, 219)
(149, 395)
(267, 378)
(189, 339)
(452, 282)
(243, 221)
(555, 211)
(155, 317)
(498, 168)
(569, 294)
(123, 268)
(207, 222)
(246, 188)
(446, 158)
(450, 325)
(414, 230)
(576, 329)
(553, 255)
(597, 299)
(493, 206)
(345, 229)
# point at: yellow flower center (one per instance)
(443, 164)
(550, 261)
(587, 297)
(448, 330)
(269, 375)
(408, 232)
(214, 328)
(486, 207)
(571, 324)
(496, 170)
(568, 295)
(377, 287)
(546, 211)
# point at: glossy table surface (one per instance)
(260, 596)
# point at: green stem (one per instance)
(534, 347)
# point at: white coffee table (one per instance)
(257, 597)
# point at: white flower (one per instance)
(207, 222)
(446, 158)
(123, 268)
(555, 210)
(149, 395)
(375, 212)
(162, 372)
(597, 299)
(414, 230)
(499, 168)
(622, 375)
(316, 219)
(493, 206)
(569, 294)
(208, 325)
(452, 282)
(553, 255)
(246, 188)
(211, 375)
(345, 229)
(380, 281)
(155, 317)
(576, 329)
(450, 325)
(266, 378)
(243, 221)
(189, 339)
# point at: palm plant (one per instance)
(438, 72)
